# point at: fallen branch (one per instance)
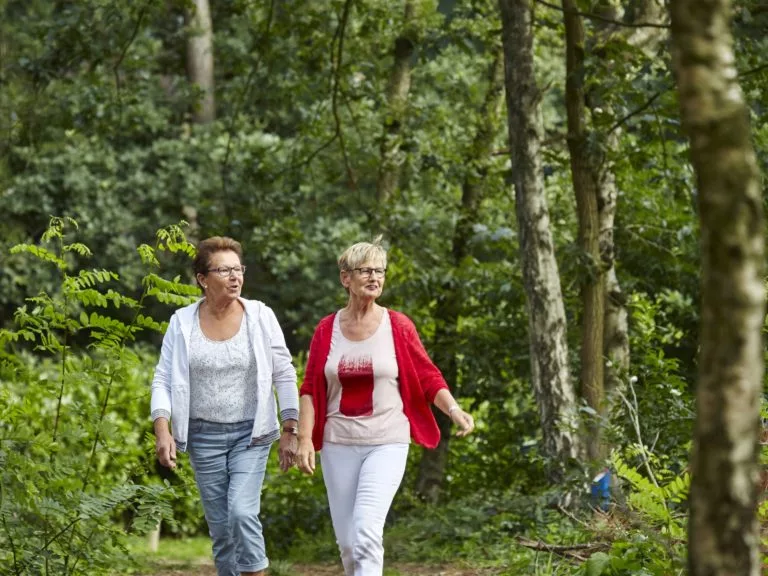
(572, 517)
(576, 551)
(539, 545)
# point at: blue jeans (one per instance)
(229, 474)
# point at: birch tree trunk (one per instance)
(550, 372)
(616, 318)
(723, 529)
(433, 462)
(397, 101)
(200, 73)
(200, 59)
(585, 186)
(616, 325)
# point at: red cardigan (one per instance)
(420, 380)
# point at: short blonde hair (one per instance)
(361, 253)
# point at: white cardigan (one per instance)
(170, 385)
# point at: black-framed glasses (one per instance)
(369, 272)
(227, 271)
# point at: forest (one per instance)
(571, 194)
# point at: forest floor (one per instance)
(191, 557)
(207, 569)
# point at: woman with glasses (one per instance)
(366, 393)
(220, 361)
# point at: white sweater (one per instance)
(275, 373)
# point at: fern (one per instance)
(57, 516)
(655, 502)
(677, 490)
(78, 248)
(89, 279)
(170, 286)
(171, 298)
(172, 238)
(41, 253)
(150, 324)
(147, 255)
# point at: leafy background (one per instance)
(96, 125)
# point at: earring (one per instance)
(205, 286)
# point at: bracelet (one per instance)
(453, 408)
(292, 429)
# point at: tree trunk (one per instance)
(200, 72)
(616, 325)
(200, 59)
(648, 38)
(397, 101)
(615, 320)
(585, 186)
(547, 325)
(433, 462)
(723, 529)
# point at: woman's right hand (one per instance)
(305, 456)
(165, 448)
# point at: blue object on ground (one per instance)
(601, 489)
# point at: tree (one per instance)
(200, 59)
(723, 528)
(550, 372)
(200, 72)
(397, 100)
(585, 186)
(644, 32)
(432, 466)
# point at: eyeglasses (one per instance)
(227, 271)
(377, 272)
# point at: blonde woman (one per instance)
(366, 394)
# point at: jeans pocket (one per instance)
(195, 426)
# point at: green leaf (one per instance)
(597, 564)
(41, 253)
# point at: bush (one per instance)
(75, 460)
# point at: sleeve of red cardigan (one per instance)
(308, 384)
(430, 377)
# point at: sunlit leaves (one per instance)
(70, 457)
(42, 253)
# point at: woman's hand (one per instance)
(448, 405)
(463, 420)
(305, 457)
(286, 450)
(165, 448)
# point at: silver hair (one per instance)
(363, 252)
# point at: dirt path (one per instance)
(403, 569)
(333, 570)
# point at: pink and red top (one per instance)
(418, 378)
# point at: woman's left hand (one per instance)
(286, 450)
(464, 421)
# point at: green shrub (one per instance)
(75, 471)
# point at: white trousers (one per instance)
(361, 482)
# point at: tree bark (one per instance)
(616, 324)
(648, 38)
(448, 310)
(723, 530)
(550, 372)
(585, 186)
(616, 317)
(200, 73)
(200, 59)
(397, 101)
